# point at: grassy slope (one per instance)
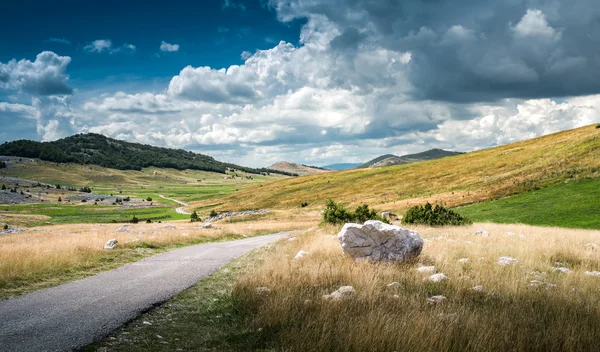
(574, 205)
(457, 180)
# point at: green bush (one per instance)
(213, 213)
(149, 199)
(433, 216)
(336, 213)
(6, 226)
(304, 204)
(194, 217)
(134, 220)
(4, 187)
(2, 164)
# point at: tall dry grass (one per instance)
(509, 315)
(45, 256)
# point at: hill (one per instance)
(298, 169)
(341, 166)
(390, 159)
(96, 149)
(463, 179)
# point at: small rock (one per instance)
(124, 228)
(439, 277)
(481, 232)
(262, 291)
(592, 273)
(426, 269)
(463, 260)
(206, 226)
(538, 283)
(394, 285)
(300, 255)
(291, 239)
(591, 245)
(396, 296)
(184, 234)
(343, 293)
(562, 269)
(111, 244)
(160, 337)
(478, 288)
(436, 299)
(509, 234)
(504, 261)
(145, 322)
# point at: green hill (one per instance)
(390, 159)
(96, 149)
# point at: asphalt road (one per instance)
(75, 314)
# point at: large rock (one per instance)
(378, 241)
(111, 244)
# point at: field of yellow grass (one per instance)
(527, 305)
(45, 256)
(458, 180)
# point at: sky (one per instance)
(309, 81)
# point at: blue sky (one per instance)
(310, 81)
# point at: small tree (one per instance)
(134, 220)
(57, 186)
(148, 221)
(6, 226)
(59, 199)
(213, 213)
(194, 217)
(2, 164)
(4, 187)
(149, 199)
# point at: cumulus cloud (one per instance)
(44, 76)
(164, 46)
(106, 45)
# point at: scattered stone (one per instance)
(343, 293)
(439, 277)
(124, 228)
(481, 232)
(521, 235)
(436, 299)
(378, 241)
(539, 283)
(561, 269)
(426, 269)
(232, 214)
(509, 234)
(478, 288)
(262, 291)
(396, 296)
(591, 245)
(145, 322)
(206, 226)
(292, 239)
(184, 234)
(386, 215)
(300, 255)
(111, 244)
(463, 260)
(160, 337)
(12, 230)
(394, 285)
(592, 273)
(504, 261)
(170, 227)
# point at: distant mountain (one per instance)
(299, 169)
(97, 149)
(341, 166)
(390, 159)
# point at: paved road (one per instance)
(75, 314)
(179, 209)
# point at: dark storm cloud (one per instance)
(472, 50)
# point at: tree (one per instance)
(149, 199)
(213, 213)
(134, 220)
(59, 199)
(57, 186)
(194, 217)
(2, 164)
(4, 187)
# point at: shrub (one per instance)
(59, 199)
(194, 217)
(149, 199)
(598, 125)
(4, 187)
(84, 201)
(336, 213)
(85, 190)
(134, 220)
(433, 216)
(213, 213)
(304, 204)
(126, 199)
(148, 221)
(6, 226)
(57, 186)
(2, 164)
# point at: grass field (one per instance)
(513, 312)
(572, 205)
(48, 255)
(458, 180)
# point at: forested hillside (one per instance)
(99, 150)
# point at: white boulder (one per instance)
(342, 293)
(300, 254)
(478, 288)
(504, 261)
(426, 269)
(262, 291)
(481, 232)
(561, 269)
(591, 245)
(463, 260)
(436, 299)
(111, 244)
(378, 241)
(592, 273)
(394, 285)
(439, 277)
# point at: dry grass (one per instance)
(508, 315)
(46, 256)
(457, 180)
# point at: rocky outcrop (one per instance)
(377, 241)
(111, 244)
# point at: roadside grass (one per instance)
(49, 214)
(203, 318)
(50, 255)
(510, 314)
(458, 180)
(571, 205)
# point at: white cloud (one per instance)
(535, 24)
(106, 45)
(164, 46)
(44, 76)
